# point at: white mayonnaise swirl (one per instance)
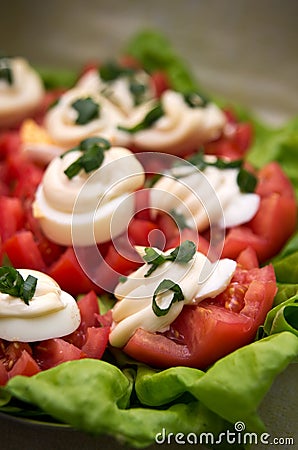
(50, 313)
(119, 90)
(23, 95)
(85, 204)
(198, 279)
(181, 129)
(204, 198)
(60, 121)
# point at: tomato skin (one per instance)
(12, 352)
(12, 216)
(272, 179)
(3, 374)
(23, 252)
(248, 259)
(55, 351)
(96, 342)
(69, 274)
(234, 143)
(9, 143)
(25, 366)
(89, 309)
(139, 232)
(202, 334)
(202, 244)
(274, 222)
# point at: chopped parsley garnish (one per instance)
(138, 91)
(195, 100)
(12, 283)
(111, 71)
(181, 254)
(87, 110)
(93, 155)
(163, 287)
(6, 73)
(246, 181)
(150, 118)
(199, 160)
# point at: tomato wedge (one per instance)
(274, 222)
(202, 334)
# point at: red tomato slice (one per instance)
(234, 143)
(248, 259)
(52, 352)
(12, 352)
(89, 311)
(274, 222)
(141, 232)
(23, 252)
(12, 216)
(202, 244)
(9, 143)
(69, 274)
(96, 342)
(25, 365)
(3, 374)
(204, 333)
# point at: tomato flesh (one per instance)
(202, 334)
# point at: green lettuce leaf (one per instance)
(279, 145)
(155, 52)
(286, 271)
(96, 397)
(57, 78)
(284, 317)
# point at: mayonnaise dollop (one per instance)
(198, 279)
(60, 120)
(23, 95)
(90, 207)
(181, 128)
(204, 197)
(50, 313)
(125, 91)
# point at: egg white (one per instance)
(53, 325)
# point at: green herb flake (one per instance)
(162, 288)
(181, 254)
(6, 73)
(138, 91)
(196, 100)
(28, 289)
(93, 155)
(12, 283)
(246, 181)
(150, 118)
(199, 160)
(111, 71)
(87, 109)
(122, 279)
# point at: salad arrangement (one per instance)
(149, 255)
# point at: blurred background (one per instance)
(245, 50)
